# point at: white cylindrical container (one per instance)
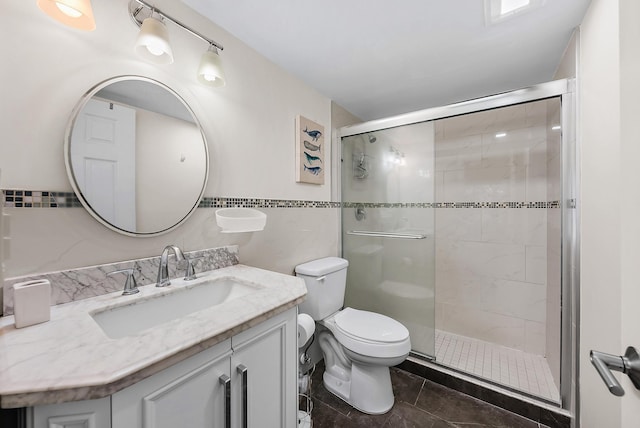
(32, 302)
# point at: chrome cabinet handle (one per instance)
(629, 363)
(226, 382)
(244, 373)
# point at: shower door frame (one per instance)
(565, 90)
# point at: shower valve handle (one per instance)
(629, 363)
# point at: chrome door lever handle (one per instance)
(629, 363)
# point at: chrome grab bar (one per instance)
(386, 234)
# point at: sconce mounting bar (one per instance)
(139, 13)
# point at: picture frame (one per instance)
(310, 149)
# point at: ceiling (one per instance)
(378, 58)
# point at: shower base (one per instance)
(519, 370)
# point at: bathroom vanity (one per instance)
(228, 365)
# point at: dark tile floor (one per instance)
(419, 403)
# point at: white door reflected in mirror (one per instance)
(136, 156)
(103, 156)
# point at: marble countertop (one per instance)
(70, 358)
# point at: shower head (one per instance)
(372, 139)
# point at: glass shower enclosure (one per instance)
(388, 225)
(457, 222)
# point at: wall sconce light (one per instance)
(153, 42)
(210, 71)
(73, 13)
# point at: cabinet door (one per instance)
(84, 414)
(188, 394)
(268, 353)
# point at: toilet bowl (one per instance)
(358, 346)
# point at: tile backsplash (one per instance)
(86, 282)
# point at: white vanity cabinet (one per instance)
(187, 394)
(268, 357)
(84, 414)
(193, 393)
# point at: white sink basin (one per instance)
(131, 319)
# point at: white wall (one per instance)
(249, 126)
(601, 199)
(630, 178)
(170, 171)
(609, 70)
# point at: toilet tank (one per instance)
(326, 280)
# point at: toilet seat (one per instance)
(369, 333)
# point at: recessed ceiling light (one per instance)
(498, 10)
(556, 128)
(508, 6)
(501, 134)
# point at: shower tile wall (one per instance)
(491, 263)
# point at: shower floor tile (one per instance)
(517, 369)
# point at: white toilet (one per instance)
(359, 346)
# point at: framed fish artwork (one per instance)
(310, 162)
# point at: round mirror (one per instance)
(136, 156)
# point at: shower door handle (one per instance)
(629, 363)
(386, 234)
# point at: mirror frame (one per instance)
(67, 154)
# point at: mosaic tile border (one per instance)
(221, 202)
(551, 204)
(12, 198)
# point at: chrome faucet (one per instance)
(163, 270)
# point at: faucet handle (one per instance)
(130, 285)
(190, 274)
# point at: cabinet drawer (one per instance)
(186, 394)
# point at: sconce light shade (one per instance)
(73, 13)
(153, 42)
(210, 72)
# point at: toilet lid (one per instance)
(370, 326)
